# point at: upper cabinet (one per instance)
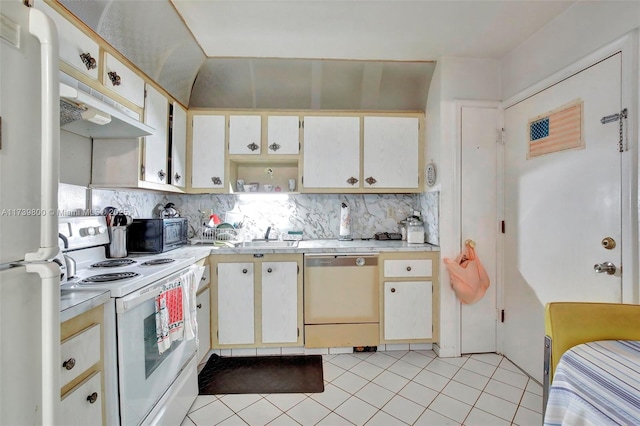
(122, 80)
(178, 142)
(245, 134)
(331, 158)
(208, 153)
(156, 115)
(76, 48)
(391, 153)
(362, 153)
(283, 134)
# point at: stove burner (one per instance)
(157, 262)
(103, 278)
(113, 263)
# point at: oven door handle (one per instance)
(152, 291)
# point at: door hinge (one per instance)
(216, 271)
(502, 315)
(298, 269)
(500, 138)
(298, 331)
(502, 226)
(141, 171)
(217, 333)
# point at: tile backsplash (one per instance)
(317, 215)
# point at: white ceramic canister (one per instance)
(415, 232)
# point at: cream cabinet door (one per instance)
(407, 310)
(236, 304)
(76, 48)
(178, 146)
(83, 405)
(245, 134)
(129, 84)
(207, 156)
(203, 306)
(283, 134)
(331, 157)
(279, 302)
(391, 152)
(156, 115)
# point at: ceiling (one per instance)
(308, 54)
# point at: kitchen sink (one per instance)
(267, 244)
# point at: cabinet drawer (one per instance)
(131, 84)
(402, 268)
(79, 352)
(83, 405)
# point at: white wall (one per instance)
(454, 79)
(578, 31)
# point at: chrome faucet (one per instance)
(266, 234)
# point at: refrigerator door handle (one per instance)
(44, 30)
(49, 272)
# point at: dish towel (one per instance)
(190, 280)
(170, 314)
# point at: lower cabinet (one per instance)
(81, 369)
(409, 297)
(407, 310)
(257, 300)
(203, 313)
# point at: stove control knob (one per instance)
(91, 231)
(100, 229)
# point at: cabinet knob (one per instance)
(269, 270)
(88, 60)
(393, 290)
(244, 271)
(177, 177)
(92, 398)
(199, 306)
(115, 78)
(252, 146)
(274, 147)
(69, 364)
(161, 174)
(216, 180)
(352, 181)
(370, 180)
(408, 268)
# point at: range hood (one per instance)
(87, 112)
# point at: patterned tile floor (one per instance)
(391, 388)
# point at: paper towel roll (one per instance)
(345, 222)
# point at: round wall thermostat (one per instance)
(431, 174)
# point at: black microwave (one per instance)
(157, 235)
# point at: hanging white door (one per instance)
(479, 218)
(558, 209)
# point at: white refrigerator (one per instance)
(29, 157)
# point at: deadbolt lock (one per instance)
(608, 243)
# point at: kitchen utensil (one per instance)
(118, 241)
(169, 211)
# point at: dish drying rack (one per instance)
(213, 235)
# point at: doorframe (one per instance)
(628, 46)
(457, 196)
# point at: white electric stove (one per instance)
(152, 386)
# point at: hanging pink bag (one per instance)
(469, 279)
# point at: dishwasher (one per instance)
(341, 300)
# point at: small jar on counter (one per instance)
(415, 232)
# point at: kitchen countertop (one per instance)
(74, 303)
(328, 246)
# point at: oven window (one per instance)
(172, 233)
(152, 358)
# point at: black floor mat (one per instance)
(262, 374)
